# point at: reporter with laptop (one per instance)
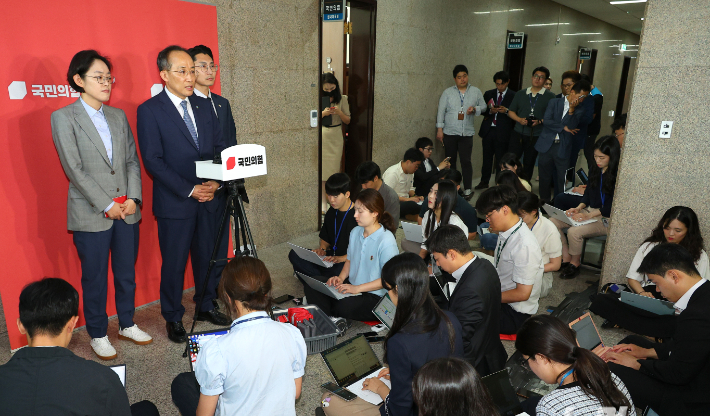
(334, 235)
(672, 378)
(586, 386)
(679, 225)
(420, 333)
(257, 368)
(372, 244)
(462, 208)
(596, 204)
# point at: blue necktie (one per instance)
(188, 122)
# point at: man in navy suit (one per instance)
(175, 129)
(554, 145)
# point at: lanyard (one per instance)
(499, 250)
(247, 320)
(532, 104)
(461, 96)
(601, 186)
(538, 219)
(565, 376)
(338, 230)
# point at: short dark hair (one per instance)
(619, 123)
(454, 176)
(47, 305)
(460, 68)
(501, 75)
(528, 202)
(196, 50)
(413, 155)
(668, 256)
(495, 198)
(164, 55)
(542, 69)
(510, 179)
(367, 171)
(338, 183)
(585, 77)
(80, 64)
(582, 85)
(573, 75)
(448, 237)
(511, 159)
(423, 142)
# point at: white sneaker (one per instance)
(103, 349)
(135, 335)
(467, 192)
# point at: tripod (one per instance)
(234, 209)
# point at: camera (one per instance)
(530, 120)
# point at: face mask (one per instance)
(328, 93)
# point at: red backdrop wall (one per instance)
(39, 39)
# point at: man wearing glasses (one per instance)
(175, 129)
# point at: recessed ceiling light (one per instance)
(500, 11)
(575, 34)
(627, 1)
(606, 40)
(548, 24)
(642, 18)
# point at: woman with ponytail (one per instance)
(372, 244)
(259, 356)
(586, 386)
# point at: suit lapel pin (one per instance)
(219, 105)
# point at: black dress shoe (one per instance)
(564, 265)
(570, 272)
(215, 304)
(481, 186)
(176, 332)
(214, 316)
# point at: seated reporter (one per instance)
(586, 386)
(420, 333)
(372, 244)
(511, 180)
(452, 387)
(462, 208)
(510, 161)
(334, 235)
(679, 225)
(428, 173)
(46, 378)
(255, 369)
(673, 378)
(596, 204)
(400, 177)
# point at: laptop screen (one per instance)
(502, 393)
(569, 174)
(587, 335)
(351, 360)
(384, 311)
(121, 371)
(582, 176)
(197, 340)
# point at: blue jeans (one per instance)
(488, 241)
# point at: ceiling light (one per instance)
(606, 40)
(575, 34)
(548, 24)
(627, 1)
(500, 11)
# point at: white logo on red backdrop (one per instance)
(155, 89)
(18, 90)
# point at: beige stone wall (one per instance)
(656, 174)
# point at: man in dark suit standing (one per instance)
(673, 377)
(175, 129)
(555, 143)
(476, 299)
(496, 126)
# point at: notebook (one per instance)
(310, 255)
(653, 305)
(121, 371)
(196, 340)
(324, 288)
(350, 363)
(588, 336)
(384, 311)
(560, 215)
(570, 185)
(502, 393)
(412, 232)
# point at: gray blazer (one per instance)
(93, 180)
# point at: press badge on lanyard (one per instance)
(461, 112)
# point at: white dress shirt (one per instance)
(396, 179)
(548, 237)
(176, 102)
(459, 272)
(495, 102)
(682, 303)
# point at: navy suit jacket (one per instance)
(504, 124)
(554, 124)
(226, 120)
(169, 153)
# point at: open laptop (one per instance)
(588, 336)
(323, 287)
(350, 363)
(502, 393)
(121, 371)
(653, 305)
(196, 340)
(582, 176)
(560, 215)
(384, 311)
(569, 185)
(310, 255)
(412, 232)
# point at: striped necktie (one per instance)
(188, 122)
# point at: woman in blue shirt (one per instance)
(257, 368)
(372, 244)
(596, 204)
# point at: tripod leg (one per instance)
(243, 216)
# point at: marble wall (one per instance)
(655, 174)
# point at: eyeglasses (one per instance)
(205, 67)
(103, 80)
(619, 134)
(526, 364)
(429, 149)
(182, 73)
(539, 77)
(568, 85)
(490, 214)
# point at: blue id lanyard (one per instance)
(601, 186)
(565, 376)
(247, 320)
(532, 104)
(338, 230)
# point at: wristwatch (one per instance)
(136, 200)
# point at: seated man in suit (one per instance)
(46, 378)
(562, 117)
(475, 299)
(463, 208)
(368, 174)
(673, 378)
(175, 129)
(428, 173)
(496, 126)
(400, 177)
